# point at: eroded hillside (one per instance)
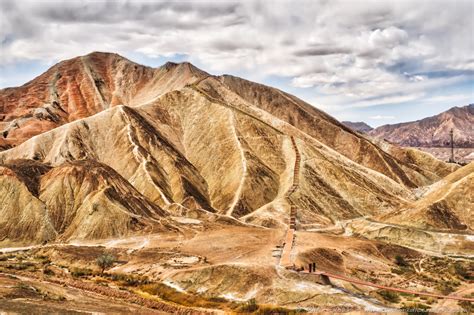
(200, 184)
(176, 134)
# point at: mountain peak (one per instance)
(359, 126)
(433, 131)
(81, 87)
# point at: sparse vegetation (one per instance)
(399, 260)
(461, 270)
(272, 310)
(43, 259)
(21, 266)
(105, 261)
(466, 305)
(440, 275)
(447, 287)
(48, 271)
(81, 272)
(23, 286)
(389, 296)
(250, 306)
(416, 309)
(129, 280)
(169, 294)
(397, 271)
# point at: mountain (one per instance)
(206, 189)
(77, 200)
(81, 87)
(358, 126)
(433, 131)
(113, 139)
(447, 204)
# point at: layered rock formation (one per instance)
(134, 143)
(77, 200)
(79, 88)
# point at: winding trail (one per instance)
(286, 260)
(238, 193)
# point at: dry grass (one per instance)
(169, 294)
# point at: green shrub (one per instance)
(105, 261)
(43, 259)
(217, 299)
(397, 271)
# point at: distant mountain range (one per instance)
(359, 126)
(433, 131)
(430, 132)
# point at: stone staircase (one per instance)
(294, 187)
(286, 260)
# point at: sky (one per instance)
(377, 61)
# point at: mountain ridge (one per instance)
(359, 126)
(432, 131)
(187, 141)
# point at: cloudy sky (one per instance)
(374, 61)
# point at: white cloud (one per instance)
(382, 117)
(457, 99)
(389, 37)
(349, 53)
